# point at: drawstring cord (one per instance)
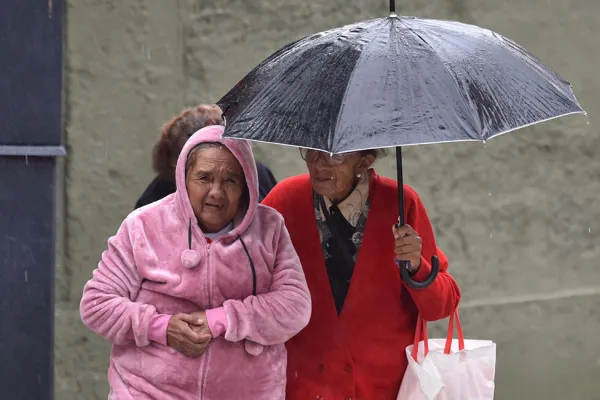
(251, 266)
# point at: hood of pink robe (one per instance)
(242, 150)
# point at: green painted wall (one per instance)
(519, 218)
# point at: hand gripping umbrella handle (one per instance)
(406, 277)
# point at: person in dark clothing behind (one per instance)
(172, 138)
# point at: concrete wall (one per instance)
(518, 218)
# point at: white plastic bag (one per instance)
(447, 369)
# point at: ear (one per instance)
(365, 163)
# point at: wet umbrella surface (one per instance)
(392, 82)
(395, 81)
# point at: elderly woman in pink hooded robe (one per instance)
(199, 291)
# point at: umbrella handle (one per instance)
(405, 274)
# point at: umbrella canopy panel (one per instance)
(394, 81)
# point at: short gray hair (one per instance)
(193, 154)
(377, 153)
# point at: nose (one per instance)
(322, 162)
(216, 191)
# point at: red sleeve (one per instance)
(441, 298)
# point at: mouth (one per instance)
(213, 206)
(324, 178)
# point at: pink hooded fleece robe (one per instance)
(150, 272)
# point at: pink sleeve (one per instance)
(276, 316)
(106, 306)
(157, 332)
(217, 321)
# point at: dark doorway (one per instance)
(31, 53)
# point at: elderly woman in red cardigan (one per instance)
(341, 218)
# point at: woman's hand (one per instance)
(408, 246)
(183, 337)
(202, 328)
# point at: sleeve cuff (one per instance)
(217, 321)
(157, 331)
(423, 272)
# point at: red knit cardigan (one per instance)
(361, 353)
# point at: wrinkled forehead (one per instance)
(213, 158)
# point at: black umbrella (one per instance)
(391, 82)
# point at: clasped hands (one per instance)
(189, 334)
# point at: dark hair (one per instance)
(176, 132)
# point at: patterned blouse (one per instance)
(340, 251)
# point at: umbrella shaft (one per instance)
(392, 6)
(400, 186)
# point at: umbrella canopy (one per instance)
(395, 81)
(392, 82)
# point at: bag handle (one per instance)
(459, 332)
(421, 334)
(421, 331)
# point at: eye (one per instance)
(231, 180)
(202, 178)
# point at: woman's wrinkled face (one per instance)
(215, 186)
(334, 177)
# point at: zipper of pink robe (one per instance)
(209, 295)
(207, 353)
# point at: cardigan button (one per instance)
(348, 368)
(321, 368)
